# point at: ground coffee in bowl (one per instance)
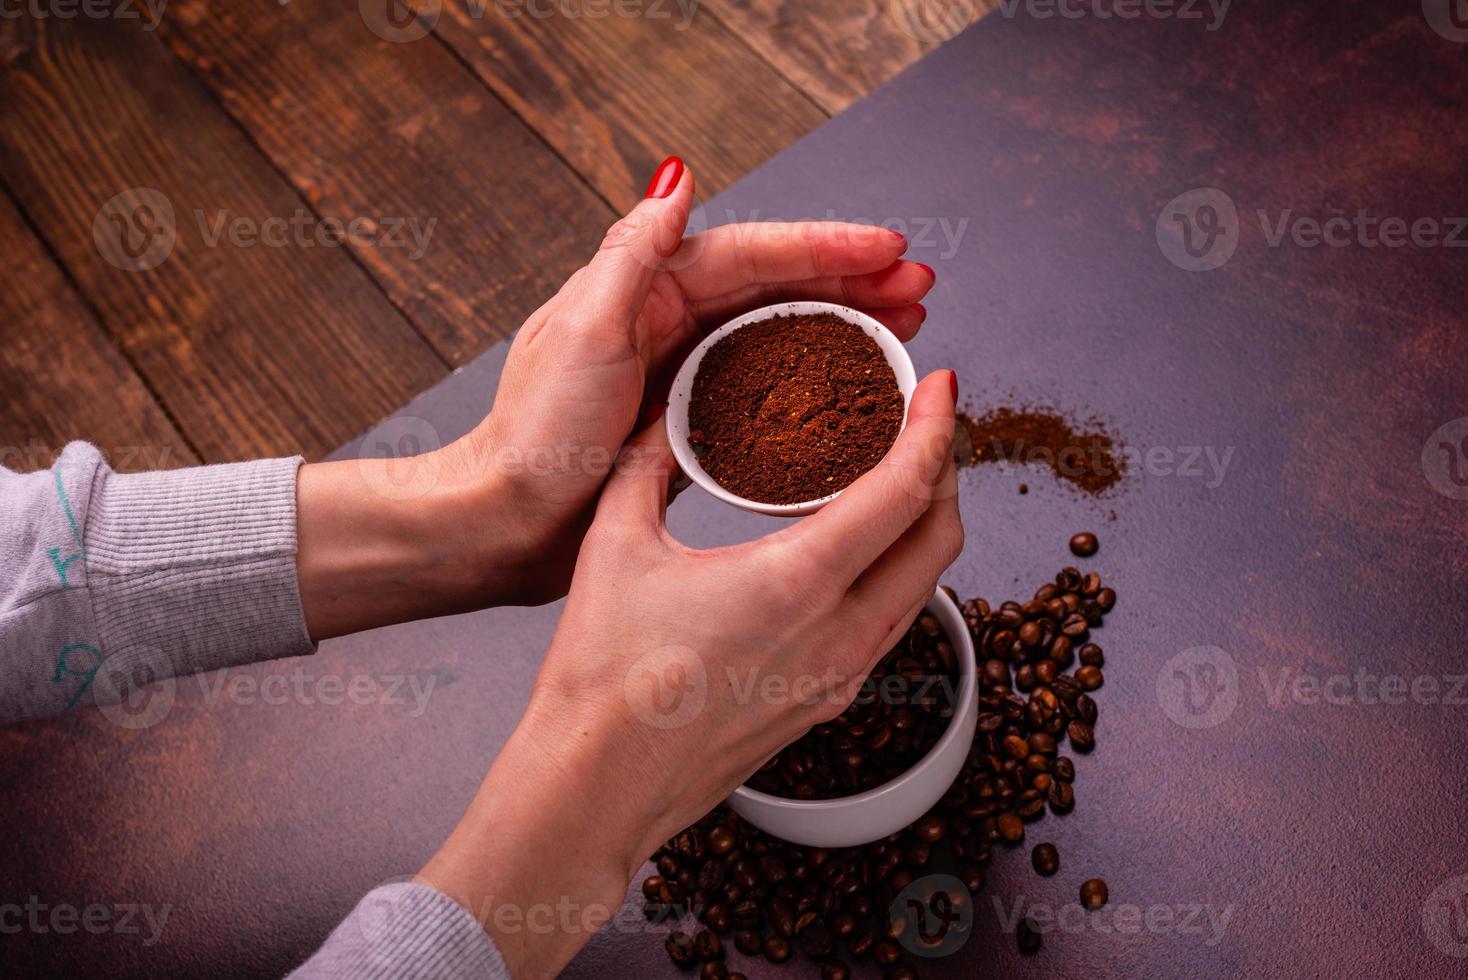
(793, 408)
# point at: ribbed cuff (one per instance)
(406, 930)
(194, 570)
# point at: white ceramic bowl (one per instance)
(872, 815)
(681, 394)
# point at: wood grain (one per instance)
(254, 349)
(836, 51)
(61, 376)
(367, 128)
(616, 93)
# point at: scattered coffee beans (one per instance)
(793, 408)
(1084, 544)
(901, 713)
(1027, 934)
(1046, 859)
(832, 906)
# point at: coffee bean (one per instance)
(1029, 635)
(1046, 859)
(1046, 671)
(1091, 655)
(1106, 599)
(1042, 743)
(721, 840)
(1082, 738)
(1064, 769)
(718, 919)
(706, 944)
(778, 949)
(972, 878)
(886, 953)
(996, 673)
(1016, 747)
(1027, 935)
(900, 971)
(1094, 894)
(1084, 544)
(930, 828)
(835, 970)
(1062, 797)
(782, 918)
(713, 970)
(816, 942)
(746, 914)
(1089, 678)
(711, 876)
(748, 942)
(1011, 828)
(680, 950)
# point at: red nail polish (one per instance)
(663, 183)
(953, 383)
(922, 310)
(929, 270)
(900, 237)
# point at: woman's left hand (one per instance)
(600, 354)
(497, 517)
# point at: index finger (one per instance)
(847, 535)
(734, 256)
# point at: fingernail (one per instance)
(929, 270)
(922, 310)
(953, 384)
(670, 172)
(900, 238)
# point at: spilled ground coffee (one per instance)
(1082, 455)
(793, 408)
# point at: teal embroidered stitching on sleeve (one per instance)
(55, 553)
(63, 668)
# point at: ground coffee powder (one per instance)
(793, 408)
(1082, 455)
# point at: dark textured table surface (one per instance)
(1279, 787)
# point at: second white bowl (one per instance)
(865, 817)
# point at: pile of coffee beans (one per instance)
(902, 710)
(833, 906)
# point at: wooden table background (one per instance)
(519, 136)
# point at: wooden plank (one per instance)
(617, 91)
(62, 377)
(836, 51)
(365, 127)
(255, 348)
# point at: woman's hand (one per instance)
(674, 674)
(504, 509)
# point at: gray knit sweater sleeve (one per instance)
(109, 582)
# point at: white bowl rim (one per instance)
(681, 393)
(967, 700)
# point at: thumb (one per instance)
(640, 244)
(635, 498)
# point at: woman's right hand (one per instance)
(675, 673)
